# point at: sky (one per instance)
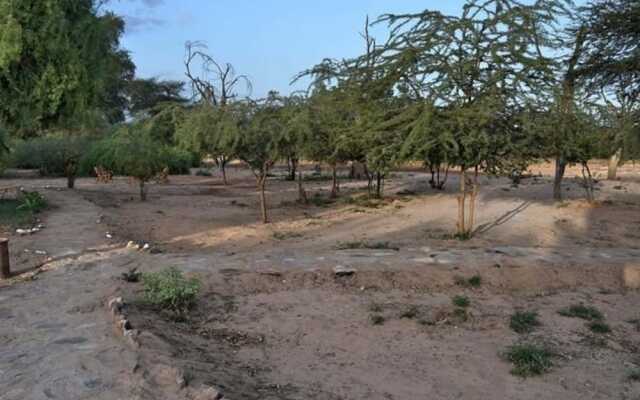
(268, 40)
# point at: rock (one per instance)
(40, 252)
(207, 393)
(109, 235)
(181, 379)
(631, 277)
(146, 246)
(340, 270)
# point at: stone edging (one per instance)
(123, 328)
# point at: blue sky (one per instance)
(269, 40)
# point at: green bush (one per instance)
(461, 301)
(529, 359)
(177, 160)
(51, 155)
(588, 313)
(524, 321)
(32, 202)
(112, 153)
(170, 289)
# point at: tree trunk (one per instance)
(561, 166)
(472, 204)
(588, 182)
(143, 191)
(223, 169)
(614, 162)
(263, 198)
(334, 183)
(71, 181)
(462, 199)
(378, 185)
(302, 194)
(293, 169)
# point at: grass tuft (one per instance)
(524, 321)
(529, 359)
(634, 374)
(474, 282)
(461, 301)
(581, 311)
(599, 327)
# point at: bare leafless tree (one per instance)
(216, 83)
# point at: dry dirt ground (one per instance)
(273, 321)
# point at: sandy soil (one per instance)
(274, 322)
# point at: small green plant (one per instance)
(599, 327)
(581, 311)
(475, 281)
(131, 276)
(461, 301)
(376, 319)
(410, 313)
(32, 202)
(463, 237)
(529, 359)
(12, 216)
(524, 321)
(286, 235)
(170, 289)
(461, 314)
(634, 374)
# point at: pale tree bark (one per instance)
(262, 181)
(302, 194)
(614, 163)
(462, 199)
(561, 166)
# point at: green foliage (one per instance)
(170, 289)
(51, 155)
(32, 202)
(60, 65)
(11, 215)
(524, 321)
(581, 311)
(529, 359)
(634, 374)
(177, 160)
(461, 301)
(475, 281)
(132, 153)
(376, 319)
(599, 327)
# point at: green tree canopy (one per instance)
(60, 65)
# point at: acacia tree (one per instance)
(621, 112)
(256, 142)
(216, 85)
(133, 153)
(331, 118)
(474, 70)
(611, 67)
(206, 131)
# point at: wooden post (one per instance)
(5, 269)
